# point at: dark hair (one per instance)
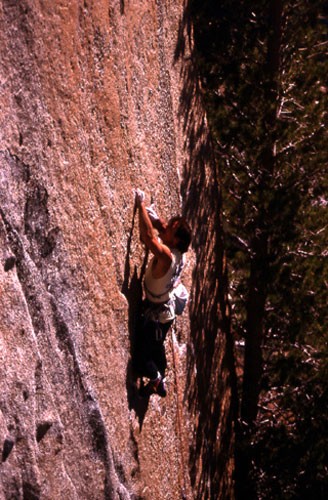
(182, 233)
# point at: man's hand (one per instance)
(139, 197)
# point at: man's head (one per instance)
(177, 234)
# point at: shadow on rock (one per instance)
(210, 350)
(132, 290)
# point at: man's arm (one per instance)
(149, 238)
(157, 222)
(145, 224)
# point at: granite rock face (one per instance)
(90, 109)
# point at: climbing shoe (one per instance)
(161, 389)
(156, 386)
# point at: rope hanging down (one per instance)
(183, 485)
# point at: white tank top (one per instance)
(158, 289)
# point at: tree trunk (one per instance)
(253, 345)
(259, 267)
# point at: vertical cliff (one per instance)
(90, 108)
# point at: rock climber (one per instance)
(160, 284)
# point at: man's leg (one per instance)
(146, 345)
(159, 355)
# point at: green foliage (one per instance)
(263, 80)
(290, 446)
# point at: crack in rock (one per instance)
(37, 311)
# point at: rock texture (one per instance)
(90, 108)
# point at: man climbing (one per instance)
(160, 284)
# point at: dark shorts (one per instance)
(149, 357)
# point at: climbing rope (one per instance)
(179, 416)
